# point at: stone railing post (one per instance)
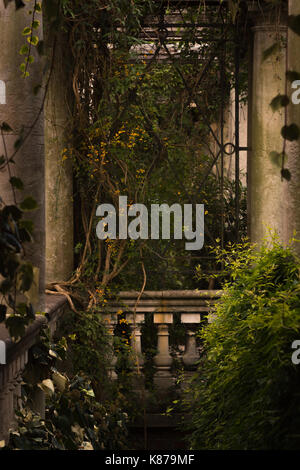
(110, 321)
(135, 322)
(191, 355)
(10, 383)
(163, 360)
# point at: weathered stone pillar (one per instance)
(265, 184)
(292, 215)
(59, 177)
(20, 107)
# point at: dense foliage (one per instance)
(74, 420)
(245, 394)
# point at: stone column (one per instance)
(59, 177)
(292, 215)
(265, 185)
(21, 108)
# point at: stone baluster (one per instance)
(136, 337)
(191, 355)
(110, 321)
(163, 360)
(10, 382)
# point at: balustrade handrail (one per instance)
(192, 306)
(17, 358)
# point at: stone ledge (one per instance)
(54, 307)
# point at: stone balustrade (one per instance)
(192, 306)
(17, 358)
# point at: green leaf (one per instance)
(25, 277)
(16, 326)
(286, 174)
(29, 59)
(12, 211)
(36, 89)
(35, 24)
(38, 7)
(18, 143)
(40, 47)
(279, 101)
(29, 204)
(26, 31)
(24, 49)
(5, 127)
(16, 182)
(294, 23)
(34, 40)
(6, 3)
(3, 309)
(19, 4)
(291, 132)
(291, 75)
(271, 50)
(27, 225)
(276, 158)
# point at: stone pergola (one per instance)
(273, 201)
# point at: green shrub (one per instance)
(74, 420)
(245, 393)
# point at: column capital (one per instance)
(269, 27)
(262, 13)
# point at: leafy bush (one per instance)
(245, 393)
(74, 421)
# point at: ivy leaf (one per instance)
(294, 23)
(291, 75)
(25, 277)
(18, 143)
(40, 47)
(35, 24)
(279, 101)
(29, 59)
(5, 127)
(26, 31)
(6, 3)
(29, 204)
(291, 132)
(19, 4)
(16, 326)
(276, 157)
(24, 49)
(6, 286)
(38, 7)
(47, 386)
(271, 50)
(16, 182)
(12, 211)
(3, 309)
(286, 174)
(34, 40)
(26, 225)
(36, 89)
